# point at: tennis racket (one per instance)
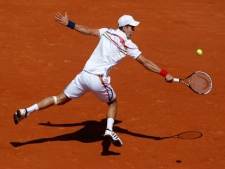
(199, 82)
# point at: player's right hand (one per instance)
(169, 78)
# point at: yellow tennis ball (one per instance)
(199, 52)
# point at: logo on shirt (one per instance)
(122, 50)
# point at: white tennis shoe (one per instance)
(113, 138)
(19, 115)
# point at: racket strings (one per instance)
(200, 82)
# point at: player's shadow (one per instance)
(92, 131)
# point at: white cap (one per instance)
(127, 20)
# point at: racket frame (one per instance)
(181, 80)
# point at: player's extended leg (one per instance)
(111, 115)
(74, 90)
(43, 104)
(50, 101)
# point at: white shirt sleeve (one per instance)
(132, 50)
(102, 30)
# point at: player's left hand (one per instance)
(62, 19)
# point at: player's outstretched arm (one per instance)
(59, 18)
(149, 65)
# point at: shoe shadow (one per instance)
(106, 143)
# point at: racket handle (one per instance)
(176, 80)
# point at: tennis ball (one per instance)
(199, 52)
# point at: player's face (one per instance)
(129, 30)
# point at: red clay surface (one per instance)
(39, 57)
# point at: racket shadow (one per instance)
(186, 135)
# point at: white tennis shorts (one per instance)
(87, 82)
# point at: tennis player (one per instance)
(113, 46)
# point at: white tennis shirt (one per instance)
(111, 49)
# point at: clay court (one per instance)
(39, 57)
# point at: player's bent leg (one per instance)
(112, 110)
(111, 115)
(113, 138)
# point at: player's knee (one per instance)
(112, 102)
(55, 99)
(58, 100)
(61, 99)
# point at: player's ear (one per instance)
(124, 28)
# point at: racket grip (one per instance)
(176, 80)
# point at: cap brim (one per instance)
(134, 23)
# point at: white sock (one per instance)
(110, 122)
(31, 109)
